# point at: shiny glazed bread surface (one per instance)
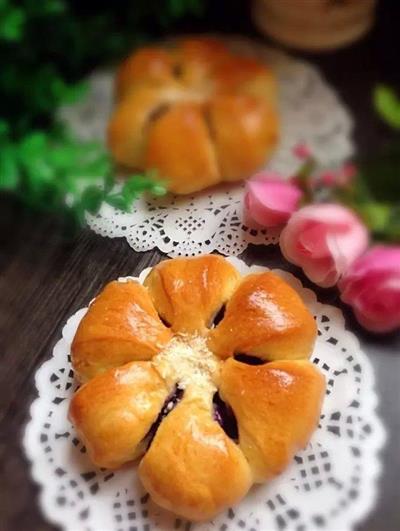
(193, 463)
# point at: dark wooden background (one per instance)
(45, 277)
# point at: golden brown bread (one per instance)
(240, 150)
(133, 116)
(277, 406)
(188, 293)
(191, 461)
(195, 112)
(150, 63)
(121, 325)
(244, 75)
(166, 402)
(114, 412)
(194, 59)
(265, 317)
(185, 163)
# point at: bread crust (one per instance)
(191, 162)
(277, 407)
(127, 129)
(158, 370)
(192, 467)
(265, 317)
(114, 412)
(195, 112)
(121, 325)
(187, 293)
(245, 133)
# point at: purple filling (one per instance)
(249, 360)
(171, 401)
(225, 417)
(218, 316)
(164, 322)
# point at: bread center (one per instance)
(188, 362)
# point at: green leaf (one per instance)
(67, 94)
(393, 227)
(380, 174)
(92, 198)
(376, 215)
(12, 24)
(99, 167)
(158, 189)
(32, 146)
(53, 7)
(134, 185)
(119, 202)
(109, 182)
(61, 156)
(388, 105)
(4, 128)
(137, 184)
(39, 172)
(8, 168)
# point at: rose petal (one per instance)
(372, 288)
(324, 240)
(270, 201)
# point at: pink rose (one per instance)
(324, 239)
(372, 288)
(269, 200)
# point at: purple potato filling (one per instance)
(225, 417)
(170, 402)
(249, 360)
(218, 317)
(164, 322)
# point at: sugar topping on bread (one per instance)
(187, 361)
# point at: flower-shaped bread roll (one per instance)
(201, 374)
(196, 112)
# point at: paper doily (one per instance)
(311, 112)
(330, 485)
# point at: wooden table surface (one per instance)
(44, 278)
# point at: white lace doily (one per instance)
(310, 111)
(329, 485)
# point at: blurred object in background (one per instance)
(46, 48)
(194, 111)
(314, 24)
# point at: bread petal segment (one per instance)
(149, 64)
(266, 318)
(245, 131)
(277, 408)
(192, 467)
(180, 147)
(197, 59)
(115, 410)
(188, 292)
(121, 325)
(127, 128)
